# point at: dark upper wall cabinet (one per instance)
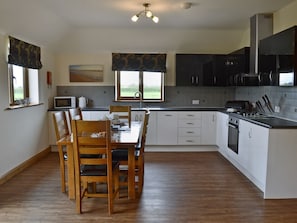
(214, 71)
(189, 69)
(238, 68)
(278, 57)
(200, 70)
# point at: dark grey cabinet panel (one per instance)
(214, 71)
(278, 58)
(200, 70)
(238, 67)
(189, 69)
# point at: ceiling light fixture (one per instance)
(148, 13)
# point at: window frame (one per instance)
(25, 101)
(138, 97)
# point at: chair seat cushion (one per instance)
(90, 156)
(122, 154)
(96, 170)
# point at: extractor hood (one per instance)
(261, 26)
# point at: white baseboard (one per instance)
(180, 148)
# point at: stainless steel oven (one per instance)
(233, 133)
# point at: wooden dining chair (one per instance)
(75, 114)
(121, 155)
(124, 112)
(62, 137)
(93, 162)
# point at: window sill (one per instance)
(22, 106)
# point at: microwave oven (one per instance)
(64, 102)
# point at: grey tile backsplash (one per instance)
(174, 96)
(285, 97)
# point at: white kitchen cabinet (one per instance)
(267, 156)
(222, 132)
(166, 128)
(253, 151)
(94, 115)
(151, 135)
(209, 126)
(189, 128)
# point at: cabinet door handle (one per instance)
(270, 76)
(191, 132)
(189, 140)
(197, 79)
(189, 115)
(190, 123)
(250, 134)
(168, 115)
(192, 80)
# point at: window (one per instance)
(23, 64)
(23, 85)
(139, 85)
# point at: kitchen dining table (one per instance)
(120, 138)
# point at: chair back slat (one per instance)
(60, 125)
(144, 129)
(75, 114)
(123, 112)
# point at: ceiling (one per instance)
(47, 20)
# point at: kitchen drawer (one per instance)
(189, 140)
(189, 115)
(189, 131)
(189, 123)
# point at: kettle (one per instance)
(82, 102)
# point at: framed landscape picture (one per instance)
(86, 73)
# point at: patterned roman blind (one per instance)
(24, 54)
(139, 62)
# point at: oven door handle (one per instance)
(233, 126)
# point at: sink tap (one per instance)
(138, 94)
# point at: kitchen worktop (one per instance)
(182, 108)
(161, 109)
(263, 120)
(268, 121)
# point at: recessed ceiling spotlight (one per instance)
(186, 5)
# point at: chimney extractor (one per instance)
(261, 26)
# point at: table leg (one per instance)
(131, 172)
(70, 172)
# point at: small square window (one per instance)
(23, 85)
(139, 85)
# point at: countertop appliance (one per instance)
(82, 102)
(64, 102)
(238, 106)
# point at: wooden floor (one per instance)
(179, 187)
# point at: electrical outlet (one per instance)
(195, 102)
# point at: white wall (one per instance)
(23, 132)
(89, 46)
(285, 18)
